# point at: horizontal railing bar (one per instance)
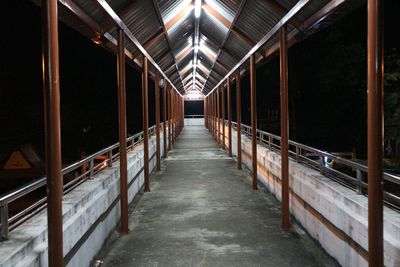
(297, 151)
(92, 170)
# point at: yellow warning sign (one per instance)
(17, 161)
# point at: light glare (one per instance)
(197, 8)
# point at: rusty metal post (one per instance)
(253, 105)
(205, 111)
(215, 114)
(228, 90)
(239, 121)
(212, 113)
(145, 107)
(182, 112)
(169, 120)
(178, 114)
(218, 116)
(165, 118)
(157, 96)
(174, 108)
(375, 132)
(173, 116)
(182, 116)
(51, 90)
(208, 113)
(122, 132)
(223, 115)
(284, 128)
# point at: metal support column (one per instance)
(215, 114)
(218, 117)
(123, 161)
(239, 121)
(169, 121)
(284, 128)
(228, 90)
(145, 107)
(172, 117)
(205, 111)
(212, 113)
(182, 113)
(253, 105)
(375, 132)
(51, 90)
(223, 115)
(165, 118)
(157, 96)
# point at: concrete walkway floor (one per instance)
(202, 212)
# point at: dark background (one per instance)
(194, 107)
(327, 87)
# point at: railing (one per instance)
(194, 116)
(347, 172)
(88, 167)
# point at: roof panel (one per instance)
(92, 10)
(227, 8)
(256, 19)
(212, 28)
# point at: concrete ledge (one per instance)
(194, 121)
(90, 212)
(331, 213)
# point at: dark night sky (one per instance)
(89, 86)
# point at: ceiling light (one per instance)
(196, 49)
(197, 8)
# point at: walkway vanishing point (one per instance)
(202, 212)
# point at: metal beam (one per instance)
(157, 10)
(183, 54)
(218, 16)
(109, 23)
(110, 12)
(243, 36)
(184, 12)
(281, 11)
(231, 24)
(51, 89)
(154, 38)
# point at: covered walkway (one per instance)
(202, 212)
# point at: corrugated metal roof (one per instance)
(147, 19)
(212, 29)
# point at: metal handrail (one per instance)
(193, 116)
(352, 174)
(88, 163)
